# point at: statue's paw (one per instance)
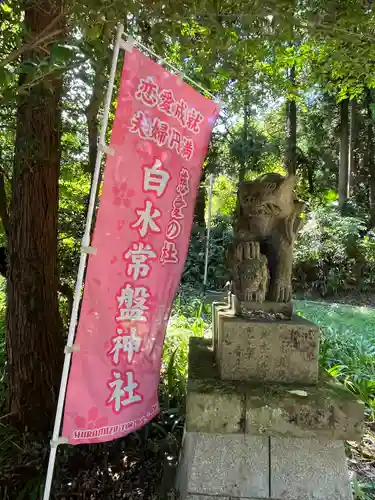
(285, 293)
(281, 293)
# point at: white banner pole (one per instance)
(86, 249)
(208, 228)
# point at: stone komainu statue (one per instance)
(266, 223)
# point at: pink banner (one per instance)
(160, 137)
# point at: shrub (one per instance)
(220, 239)
(333, 253)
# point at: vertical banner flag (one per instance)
(160, 137)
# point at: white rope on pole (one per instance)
(56, 440)
(208, 228)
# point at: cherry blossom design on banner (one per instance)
(160, 137)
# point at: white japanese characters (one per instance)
(146, 220)
(148, 93)
(132, 303)
(138, 256)
(123, 391)
(159, 131)
(169, 252)
(156, 178)
(125, 343)
(162, 134)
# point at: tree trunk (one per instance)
(101, 62)
(34, 340)
(310, 177)
(344, 154)
(4, 214)
(96, 100)
(370, 167)
(243, 168)
(200, 202)
(353, 140)
(291, 120)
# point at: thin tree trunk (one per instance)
(291, 119)
(344, 154)
(243, 169)
(353, 140)
(96, 100)
(4, 214)
(34, 340)
(310, 177)
(101, 63)
(370, 155)
(200, 202)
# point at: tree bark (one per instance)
(369, 157)
(4, 214)
(291, 119)
(310, 177)
(101, 63)
(243, 168)
(34, 340)
(96, 100)
(344, 154)
(200, 203)
(353, 140)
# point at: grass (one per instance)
(347, 347)
(345, 320)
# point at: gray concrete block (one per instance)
(228, 465)
(308, 469)
(185, 463)
(325, 410)
(268, 351)
(215, 412)
(214, 497)
(207, 497)
(215, 309)
(216, 296)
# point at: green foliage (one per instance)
(224, 197)
(347, 346)
(334, 253)
(188, 318)
(220, 238)
(363, 490)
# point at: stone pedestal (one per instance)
(215, 466)
(254, 350)
(261, 421)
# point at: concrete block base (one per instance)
(228, 467)
(267, 351)
(326, 410)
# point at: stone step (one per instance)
(323, 410)
(224, 467)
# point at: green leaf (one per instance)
(93, 32)
(4, 77)
(62, 53)
(5, 7)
